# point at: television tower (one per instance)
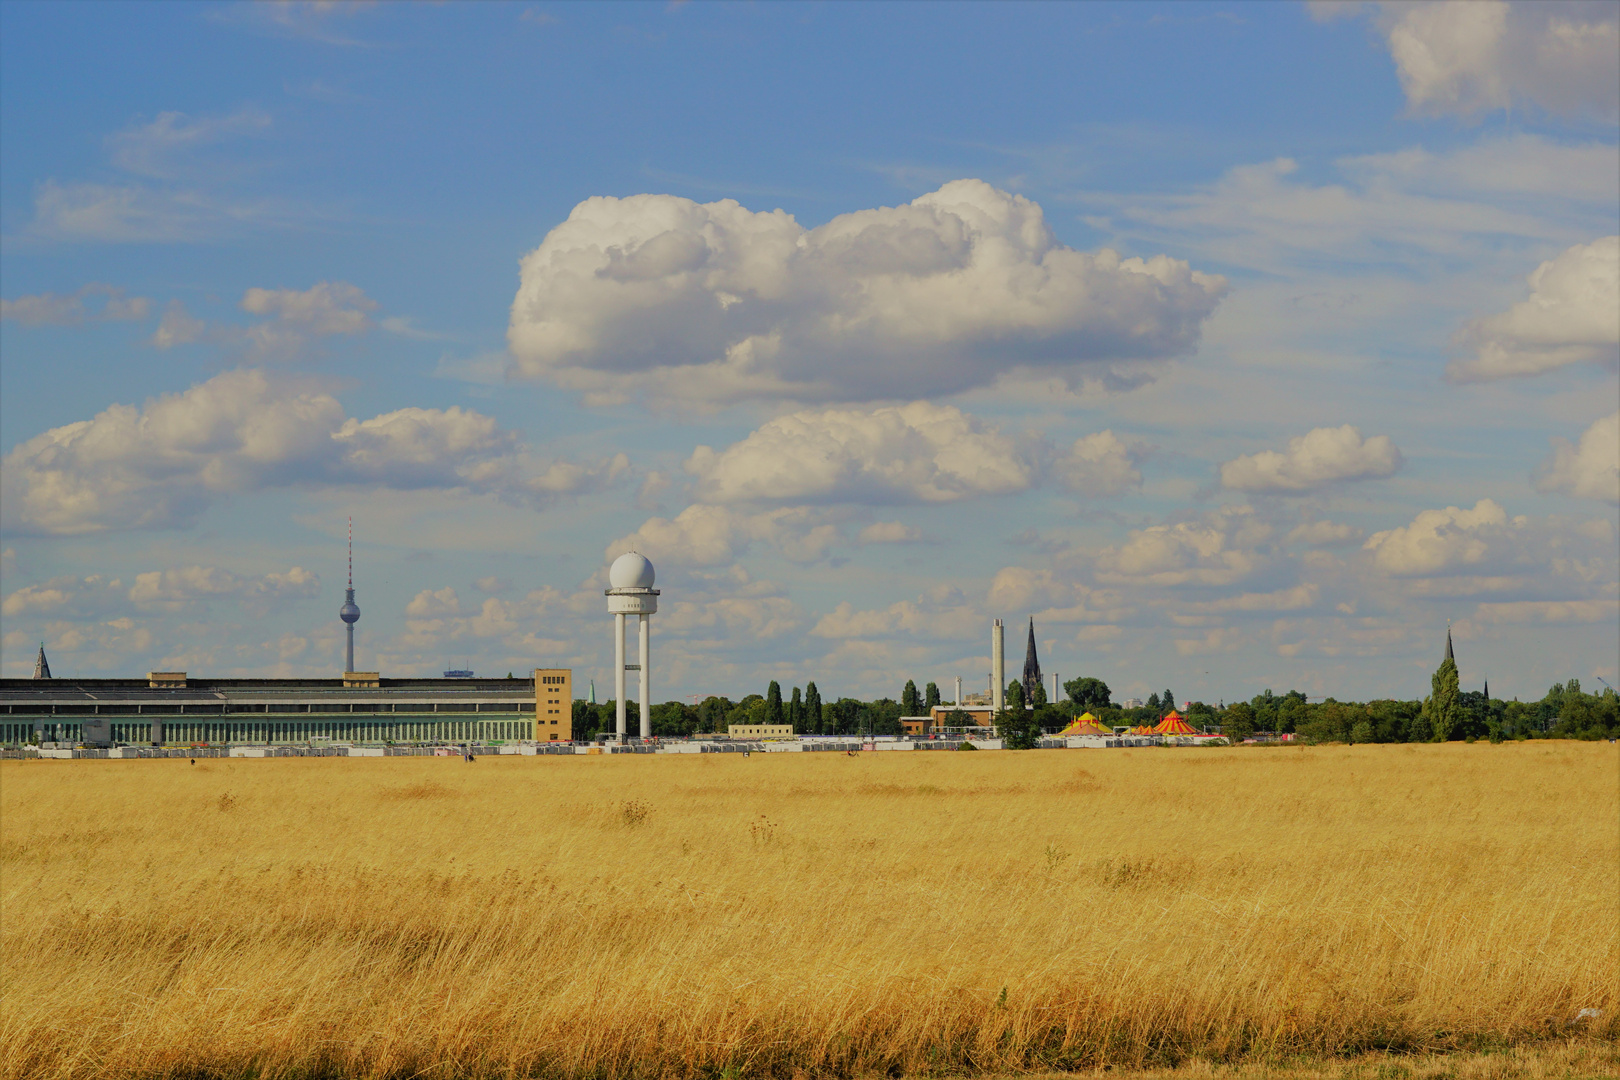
(350, 611)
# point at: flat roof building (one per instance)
(168, 707)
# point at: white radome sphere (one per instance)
(631, 571)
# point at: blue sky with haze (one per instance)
(1240, 345)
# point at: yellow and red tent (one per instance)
(1173, 724)
(1085, 724)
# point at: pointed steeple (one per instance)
(42, 666)
(1032, 666)
(1449, 654)
(1487, 689)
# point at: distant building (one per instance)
(458, 673)
(972, 714)
(169, 707)
(760, 731)
(1131, 703)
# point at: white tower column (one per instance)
(998, 666)
(630, 592)
(646, 677)
(618, 675)
(959, 691)
(1054, 698)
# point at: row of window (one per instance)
(181, 733)
(234, 709)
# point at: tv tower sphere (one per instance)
(631, 592)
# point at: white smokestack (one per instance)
(998, 666)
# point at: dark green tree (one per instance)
(910, 701)
(1442, 708)
(1237, 722)
(773, 703)
(930, 697)
(812, 709)
(1167, 701)
(1015, 724)
(1153, 704)
(1088, 693)
(796, 713)
(1038, 695)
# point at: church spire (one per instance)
(1032, 666)
(1449, 654)
(42, 666)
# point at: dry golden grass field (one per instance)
(1219, 912)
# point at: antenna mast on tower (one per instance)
(350, 611)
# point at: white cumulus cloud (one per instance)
(660, 297)
(1467, 57)
(1321, 456)
(1097, 464)
(1590, 469)
(707, 535)
(913, 453)
(70, 309)
(1438, 541)
(1222, 548)
(1571, 316)
(161, 465)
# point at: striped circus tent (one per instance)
(1174, 724)
(1086, 724)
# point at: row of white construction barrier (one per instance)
(805, 744)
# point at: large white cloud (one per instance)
(1471, 56)
(1591, 469)
(914, 453)
(1571, 316)
(1223, 548)
(1321, 456)
(1438, 541)
(161, 465)
(708, 535)
(660, 297)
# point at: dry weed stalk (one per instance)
(890, 913)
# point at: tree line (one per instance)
(1446, 714)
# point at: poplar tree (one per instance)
(1442, 708)
(773, 703)
(910, 705)
(812, 708)
(796, 713)
(931, 697)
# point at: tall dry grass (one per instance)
(701, 916)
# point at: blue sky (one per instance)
(1205, 334)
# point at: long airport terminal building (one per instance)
(170, 708)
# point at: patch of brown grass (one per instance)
(822, 915)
